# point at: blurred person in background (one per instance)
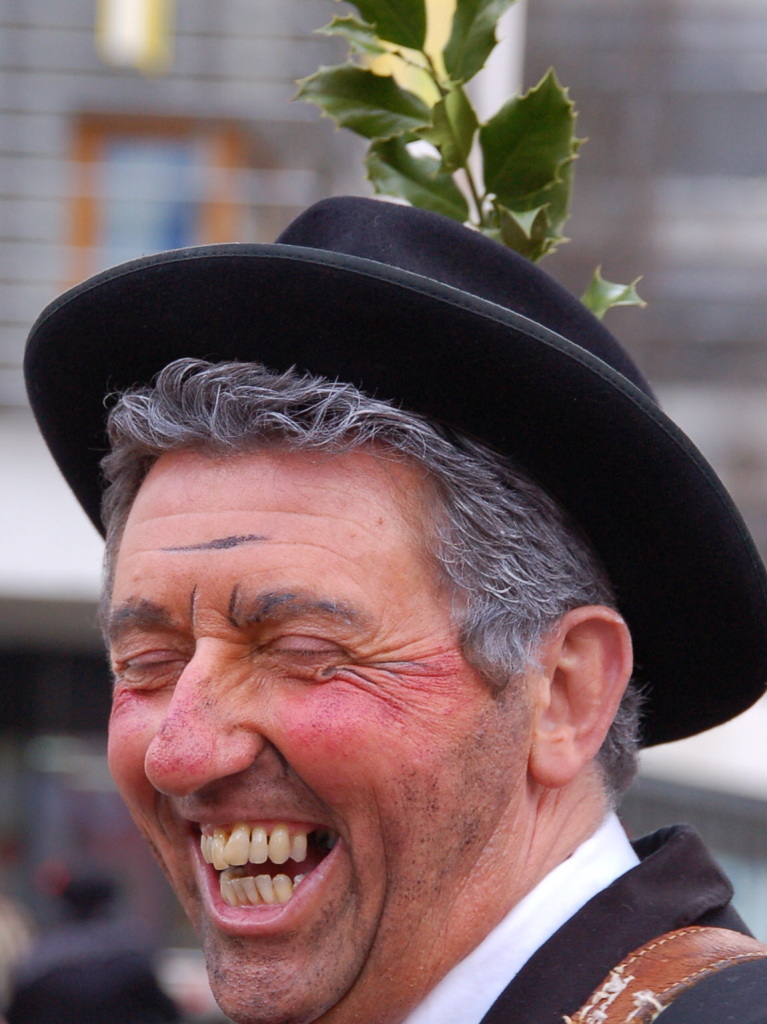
(91, 968)
(16, 933)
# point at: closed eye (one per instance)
(150, 668)
(309, 645)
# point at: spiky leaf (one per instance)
(373, 106)
(602, 295)
(454, 125)
(360, 36)
(526, 145)
(473, 36)
(529, 233)
(394, 170)
(397, 21)
(556, 196)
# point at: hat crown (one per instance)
(443, 250)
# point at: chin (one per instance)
(255, 986)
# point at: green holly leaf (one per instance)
(528, 232)
(528, 147)
(397, 21)
(555, 200)
(602, 295)
(394, 170)
(373, 106)
(454, 125)
(360, 36)
(528, 143)
(472, 38)
(556, 196)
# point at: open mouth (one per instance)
(259, 865)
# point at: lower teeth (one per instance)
(240, 890)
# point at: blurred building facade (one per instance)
(100, 163)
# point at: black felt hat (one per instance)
(413, 307)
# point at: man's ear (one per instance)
(585, 665)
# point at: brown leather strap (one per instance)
(651, 978)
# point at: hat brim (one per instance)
(687, 577)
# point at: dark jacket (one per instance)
(675, 885)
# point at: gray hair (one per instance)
(516, 562)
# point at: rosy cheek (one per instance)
(409, 720)
(131, 728)
(333, 731)
(323, 731)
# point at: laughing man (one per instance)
(403, 565)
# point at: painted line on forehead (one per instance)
(219, 543)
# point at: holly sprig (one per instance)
(509, 177)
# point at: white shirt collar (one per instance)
(468, 991)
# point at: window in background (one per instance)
(148, 184)
(150, 196)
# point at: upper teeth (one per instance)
(245, 844)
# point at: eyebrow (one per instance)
(136, 613)
(277, 605)
(220, 543)
(270, 606)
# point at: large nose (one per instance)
(200, 738)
